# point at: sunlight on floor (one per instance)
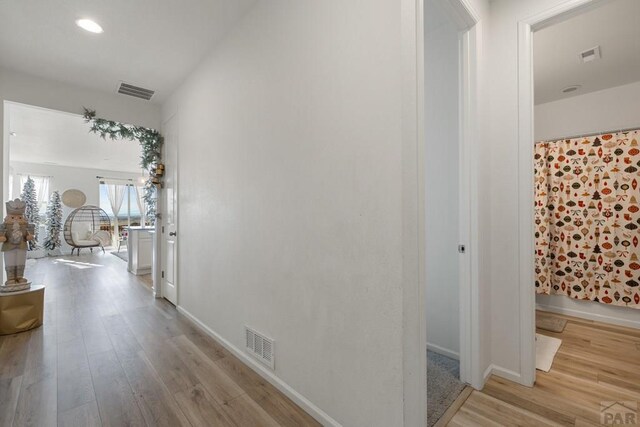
(77, 264)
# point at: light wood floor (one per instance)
(596, 362)
(109, 354)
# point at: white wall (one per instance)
(64, 178)
(290, 160)
(441, 182)
(601, 111)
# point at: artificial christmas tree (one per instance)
(32, 212)
(54, 223)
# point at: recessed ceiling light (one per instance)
(570, 89)
(89, 25)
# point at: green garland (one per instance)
(150, 141)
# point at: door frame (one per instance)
(414, 339)
(466, 19)
(526, 139)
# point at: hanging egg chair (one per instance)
(87, 227)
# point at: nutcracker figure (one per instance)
(15, 232)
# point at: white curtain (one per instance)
(41, 184)
(140, 201)
(116, 193)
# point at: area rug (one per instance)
(123, 255)
(546, 349)
(550, 323)
(443, 385)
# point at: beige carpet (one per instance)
(549, 323)
(546, 349)
(443, 385)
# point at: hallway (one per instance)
(110, 354)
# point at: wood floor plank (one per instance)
(13, 354)
(37, 404)
(245, 412)
(72, 355)
(9, 392)
(86, 415)
(277, 405)
(495, 410)
(217, 383)
(174, 372)
(42, 354)
(75, 388)
(154, 399)
(201, 409)
(465, 418)
(96, 339)
(451, 411)
(116, 402)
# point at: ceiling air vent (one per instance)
(590, 54)
(570, 89)
(260, 347)
(136, 91)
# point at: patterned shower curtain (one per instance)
(587, 218)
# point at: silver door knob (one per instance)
(172, 233)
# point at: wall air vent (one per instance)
(136, 91)
(590, 54)
(570, 89)
(260, 347)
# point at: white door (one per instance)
(169, 220)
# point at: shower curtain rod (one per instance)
(589, 134)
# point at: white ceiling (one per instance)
(615, 27)
(149, 43)
(51, 137)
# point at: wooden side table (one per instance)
(21, 310)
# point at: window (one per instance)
(130, 213)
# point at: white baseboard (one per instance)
(286, 389)
(443, 351)
(590, 316)
(485, 376)
(503, 373)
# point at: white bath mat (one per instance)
(546, 349)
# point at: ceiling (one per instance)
(51, 137)
(614, 27)
(149, 43)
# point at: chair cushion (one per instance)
(85, 242)
(102, 237)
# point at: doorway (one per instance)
(585, 124)
(88, 191)
(449, 208)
